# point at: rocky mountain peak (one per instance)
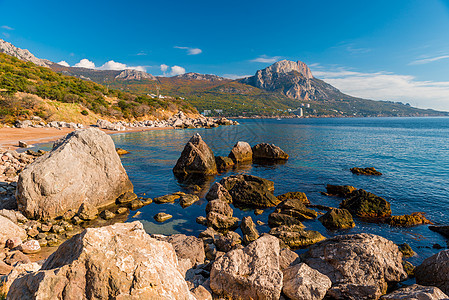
(287, 66)
(198, 76)
(294, 80)
(131, 74)
(22, 54)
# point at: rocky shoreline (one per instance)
(111, 259)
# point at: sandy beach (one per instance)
(10, 137)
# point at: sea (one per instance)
(412, 154)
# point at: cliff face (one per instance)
(130, 74)
(22, 54)
(293, 79)
(198, 76)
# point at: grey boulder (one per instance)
(82, 167)
(302, 282)
(434, 271)
(417, 292)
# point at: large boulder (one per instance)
(219, 215)
(196, 158)
(249, 273)
(360, 266)
(9, 230)
(251, 191)
(366, 205)
(217, 191)
(241, 152)
(118, 261)
(434, 271)
(82, 167)
(416, 292)
(294, 195)
(187, 247)
(303, 282)
(266, 151)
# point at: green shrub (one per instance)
(84, 112)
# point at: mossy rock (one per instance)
(294, 195)
(337, 219)
(223, 163)
(367, 205)
(365, 171)
(414, 219)
(296, 237)
(340, 190)
(296, 208)
(408, 268)
(121, 151)
(278, 219)
(406, 250)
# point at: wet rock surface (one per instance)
(241, 152)
(366, 205)
(268, 152)
(337, 219)
(365, 171)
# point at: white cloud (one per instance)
(64, 63)
(7, 27)
(235, 76)
(85, 63)
(177, 70)
(164, 68)
(110, 65)
(113, 65)
(428, 60)
(389, 86)
(190, 51)
(266, 59)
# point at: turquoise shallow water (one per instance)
(412, 153)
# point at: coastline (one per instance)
(9, 137)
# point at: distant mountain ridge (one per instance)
(285, 88)
(22, 54)
(294, 80)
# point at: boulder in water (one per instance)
(366, 205)
(337, 219)
(196, 158)
(241, 152)
(270, 152)
(434, 271)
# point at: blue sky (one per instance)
(387, 50)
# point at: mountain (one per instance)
(131, 74)
(22, 54)
(198, 76)
(294, 80)
(284, 88)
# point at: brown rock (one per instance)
(187, 247)
(365, 171)
(296, 237)
(249, 230)
(287, 258)
(121, 151)
(126, 197)
(340, 190)
(366, 205)
(107, 214)
(217, 191)
(30, 247)
(241, 152)
(9, 230)
(294, 195)
(16, 257)
(87, 212)
(266, 151)
(162, 217)
(5, 269)
(337, 219)
(434, 271)
(167, 199)
(188, 199)
(196, 158)
(224, 163)
(416, 218)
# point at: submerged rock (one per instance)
(302, 282)
(188, 199)
(340, 190)
(434, 271)
(360, 266)
(443, 230)
(266, 151)
(365, 171)
(162, 217)
(294, 195)
(113, 262)
(416, 292)
(224, 163)
(196, 158)
(241, 152)
(171, 198)
(416, 218)
(251, 191)
(366, 205)
(249, 273)
(82, 167)
(337, 219)
(296, 237)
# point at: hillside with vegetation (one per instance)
(29, 90)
